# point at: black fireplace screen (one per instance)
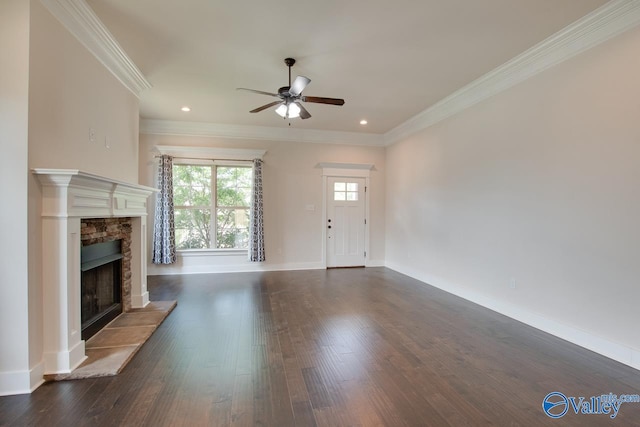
(101, 285)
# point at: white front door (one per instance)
(345, 222)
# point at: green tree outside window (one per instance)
(194, 204)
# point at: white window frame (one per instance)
(205, 154)
(214, 204)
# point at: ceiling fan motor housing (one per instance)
(284, 90)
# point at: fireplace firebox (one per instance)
(100, 286)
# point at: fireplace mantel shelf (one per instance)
(78, 174)
(69, 195)
(74, 193)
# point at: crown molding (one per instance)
(81, 21)
(179, 128)
(606, 22)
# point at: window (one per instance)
(201, 190)
(345, 191)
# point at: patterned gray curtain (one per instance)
(164, 242)
(256, 229)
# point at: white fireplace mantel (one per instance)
(67, 196)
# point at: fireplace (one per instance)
(100, 286)
(69, 197)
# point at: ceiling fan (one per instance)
(290, 97)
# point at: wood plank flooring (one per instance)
(345, 347)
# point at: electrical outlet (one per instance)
(512, 283)
(92, 135)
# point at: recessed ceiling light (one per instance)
(186, 109)
(363, 122)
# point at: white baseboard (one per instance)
(21, 382)
(140, 301)
(375, 263)
(166, 270)
(613, 350)
(63, 362)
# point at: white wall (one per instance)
(293, 235)
(70, 92)
(53, 91)
(537, 186)
(14, 94)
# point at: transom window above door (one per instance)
(345, 191)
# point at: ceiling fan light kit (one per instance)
(289, 104)
(291, 111)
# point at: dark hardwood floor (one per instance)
(339, 347)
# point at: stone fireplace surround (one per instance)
(101, 230)
(68, 198)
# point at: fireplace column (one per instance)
(139, 293)
(63, 347)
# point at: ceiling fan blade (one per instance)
(264, 107)
(321, 100)
(304, 114)
(298, 85)
(257, 91)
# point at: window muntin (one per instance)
(194, 203)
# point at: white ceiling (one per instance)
(389, 60)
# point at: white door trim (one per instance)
(345, 170)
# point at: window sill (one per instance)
(212, 252)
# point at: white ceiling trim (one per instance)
(179, 128)
(613, 18)
(81, 21)
(606, 22)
